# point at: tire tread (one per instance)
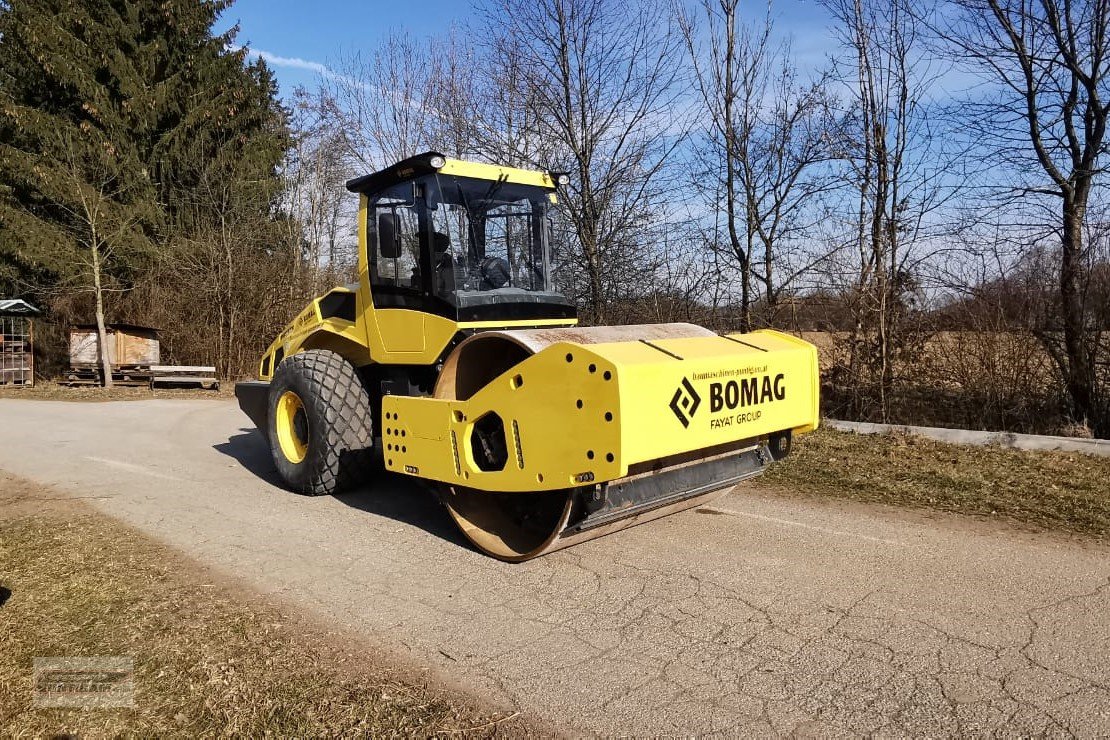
(337, 395)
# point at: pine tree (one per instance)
(117, 119)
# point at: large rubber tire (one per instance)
(324, 408)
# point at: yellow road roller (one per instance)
(455, 360)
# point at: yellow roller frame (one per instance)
(580, 414)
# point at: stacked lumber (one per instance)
(131, 375)
(202, 376)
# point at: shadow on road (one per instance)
(251, 451)
(390, 495)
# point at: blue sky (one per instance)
(296, 36)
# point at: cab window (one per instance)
(395, 242)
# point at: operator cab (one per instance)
(467, 241)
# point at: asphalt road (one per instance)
(756, 615)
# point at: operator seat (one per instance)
(444, 264)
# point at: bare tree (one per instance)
(505, 127)
(453, 123)
(314, 172)
(600, 78)
(898, 174)
(1044, 110)
(381, 101)
(101, 227)
(767, 141)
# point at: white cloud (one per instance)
(276, 60)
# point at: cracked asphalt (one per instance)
(757, 614)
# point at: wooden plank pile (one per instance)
(201, 376)
(129, 375)
(134, 354)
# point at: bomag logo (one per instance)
(746, 392)
(685, 402)
(728, 396)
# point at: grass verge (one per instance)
(1052, 490)
(208, 660)
(51, 391)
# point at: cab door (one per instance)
(397, 274)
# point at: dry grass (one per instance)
(51, 391)
(208, 661)
(1052, 490)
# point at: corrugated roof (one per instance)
(15, 306)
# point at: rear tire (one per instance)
(321, 424)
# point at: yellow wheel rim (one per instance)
(291, 425)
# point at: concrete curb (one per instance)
(1099, 447)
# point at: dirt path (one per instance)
(758, 614)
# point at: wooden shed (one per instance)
(17, 340)
(128, 346)
(132, 350)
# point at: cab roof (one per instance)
(421, 164)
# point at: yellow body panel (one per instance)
(609, 407)
(483, 171)
(400, 330)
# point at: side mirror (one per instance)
(389, 237)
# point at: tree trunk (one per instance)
(597, 294)
(738, 248)
(732, 154)
(101, 328)
(1080, 378)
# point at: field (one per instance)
(998, 381)
(51, 391)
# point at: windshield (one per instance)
(459, 236)
(489, 235)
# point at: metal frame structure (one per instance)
(17, 358)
